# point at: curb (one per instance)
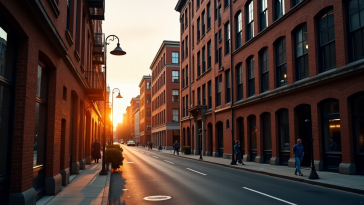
(307, 181)
(105, 196)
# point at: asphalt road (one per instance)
(150, 173)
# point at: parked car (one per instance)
(130, 143)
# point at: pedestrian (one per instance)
(333, 145)
(176, 147)
(151, 145)
(148, 145)
(237, 152)
(95, 151)
(299, 153)
(160, 148)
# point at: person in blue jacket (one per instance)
(299, 152)
(237, 152)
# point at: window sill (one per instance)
(184, 88)
(55, 7)
(226, 8)
(203, 74)
(69, 37)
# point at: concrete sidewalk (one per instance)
(351, 183)
(88, 187)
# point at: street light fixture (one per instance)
(313, 173)
(112, 107)
(118, 52)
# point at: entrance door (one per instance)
(303, 113)
(210, 139)
(220, 139)
(253, 137)
(241, 135)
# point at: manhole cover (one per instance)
(157, 198)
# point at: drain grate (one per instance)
(157, 198)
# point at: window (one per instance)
(175, 95)
(68, 14)
(295, 2)
(183, 50)
(148, 85)
(218, 90)
(209, 55)
(182, 25)
(186, 105)
(210, 95)
(186, 46)
(226, 3)
(251, 77)
(227, 37)
(219, 15)
(198, 29)
(175, 57)
(40, 117)
(183, 107)
(281, 62)
(331, 126)
(208, 16)
(250, 21)
(198, 96)
(327, 41)
(279, 9)
(193, 37)
(187, 75)
(186, 18)
(239, 80)
(239, 29)
(197, 3)
(227, 81)
(64, 93)
(227, 124)
(264, 69)
(220, 57)
(175, 115)
(356, 29)
(283, 130)
(148, 110)
(183, 78)
(215, 6)
(175, 76)
(148, 98)
(203, 23)
(203, 94)
(216, 49)
(203, 59)
(263, 14)
(198, 64)
(301, 52)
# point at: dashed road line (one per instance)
(168, 162)
(155, 157)
(269, 196)
(196, 171)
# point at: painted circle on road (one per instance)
(157, 198)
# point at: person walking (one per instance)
(151, 145)
(148, 145)
(96, 148)
(299, 153)
(238, 153)
(176, 147)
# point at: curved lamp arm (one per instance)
(113, 38)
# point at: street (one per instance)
(151, 173)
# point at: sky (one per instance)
(141, 26)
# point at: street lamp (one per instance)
(313, 174)
(118, 52)
(112, 107)
(200, 130)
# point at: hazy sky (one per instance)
(141, 26)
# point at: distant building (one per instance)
(166, 95)
(134, 103)
(145, 86)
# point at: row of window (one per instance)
(159, 101)
(162, 62)
(159, 118)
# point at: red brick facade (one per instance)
(165, 81)
(254, 115)
(75, 92)
(145, 110)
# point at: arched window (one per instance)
(251, 76)
(227, 124)
(281, 62)
(356, 29)
(239, 81)
(264, 70)
(238, 29)
(301, 52)
(250, 21)
(327, 41)
(267, 139)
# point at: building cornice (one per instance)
(180, 5)
(145, 77)
(161, 48)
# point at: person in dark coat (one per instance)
(95, 148)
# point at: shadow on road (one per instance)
(117, 184)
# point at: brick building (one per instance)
(126, 125)
(145, 109)
(134, 109)
(255, 70)
(165, 95)
(52, 90)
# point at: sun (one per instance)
(117, 119)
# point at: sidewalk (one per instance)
(88, 187)
(351, 183)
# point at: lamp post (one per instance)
(112, 107)
(118, 52)
(313, 174)
(200, 134)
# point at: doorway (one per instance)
(220, 139)
(240, 125)
(210, 142)
(303, 112)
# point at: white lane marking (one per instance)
(269, 196)
(130, 162)
(196, 171)
(155, 157)
(168, 162)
